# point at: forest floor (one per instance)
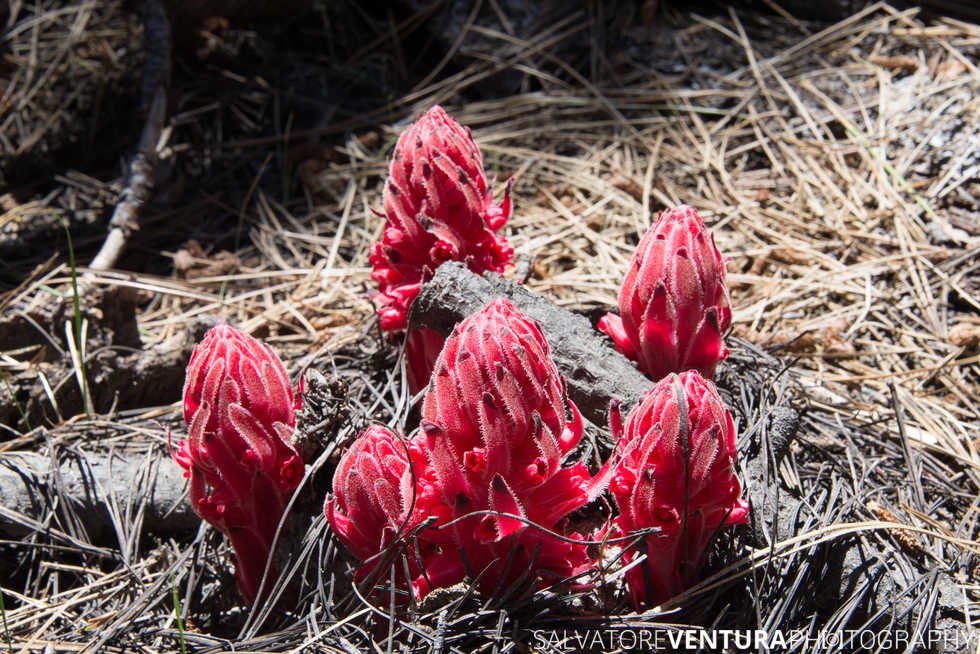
(838, 164)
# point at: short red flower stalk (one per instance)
(673, 303)
(438, 207)
(486, 465)
(373, 496)
(675, 473)
(238, 405)
(494, 434)
(422, 347)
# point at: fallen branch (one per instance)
(96, 494)
(143, 166)
(594, 372)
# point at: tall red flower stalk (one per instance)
(673, 303)
(438, 207)
(238, 405)
(496, 426)
(676, 474)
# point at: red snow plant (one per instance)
(676, 473)
(438, 207)
(673, 303)
(373, 491)
(239, 410)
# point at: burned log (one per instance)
(70, 494)
(594, 372)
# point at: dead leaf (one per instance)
(369, 140)
(965, 334)
(897, 62)
(832, 339)
(792, 256)
(950, 69)
(192, 262)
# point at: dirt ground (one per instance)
(836, 159)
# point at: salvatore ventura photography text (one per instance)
(742, 640)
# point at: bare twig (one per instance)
(142, 168)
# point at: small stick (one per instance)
(143, 166)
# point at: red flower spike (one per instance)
(675, 473)
(487, 465)
(494, 435)
(673, 303)
(239, 409)
(438, 207)
(373, 492)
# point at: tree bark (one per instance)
(69, 492)
(594, 372)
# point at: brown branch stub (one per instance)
(143, 166)
(156, 51)
(594, 372)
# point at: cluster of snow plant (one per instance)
(482, 491)
(673, 303)
(487, 467)
(240, 413)
(438, 207)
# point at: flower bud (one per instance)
(675, 474)
(496, 426)
(239, 409)
(438, 207)
(373, 493)
(673, 303)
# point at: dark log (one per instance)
(71, 491)
(594, 372)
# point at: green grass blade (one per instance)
(77, 311)
(180, 620)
